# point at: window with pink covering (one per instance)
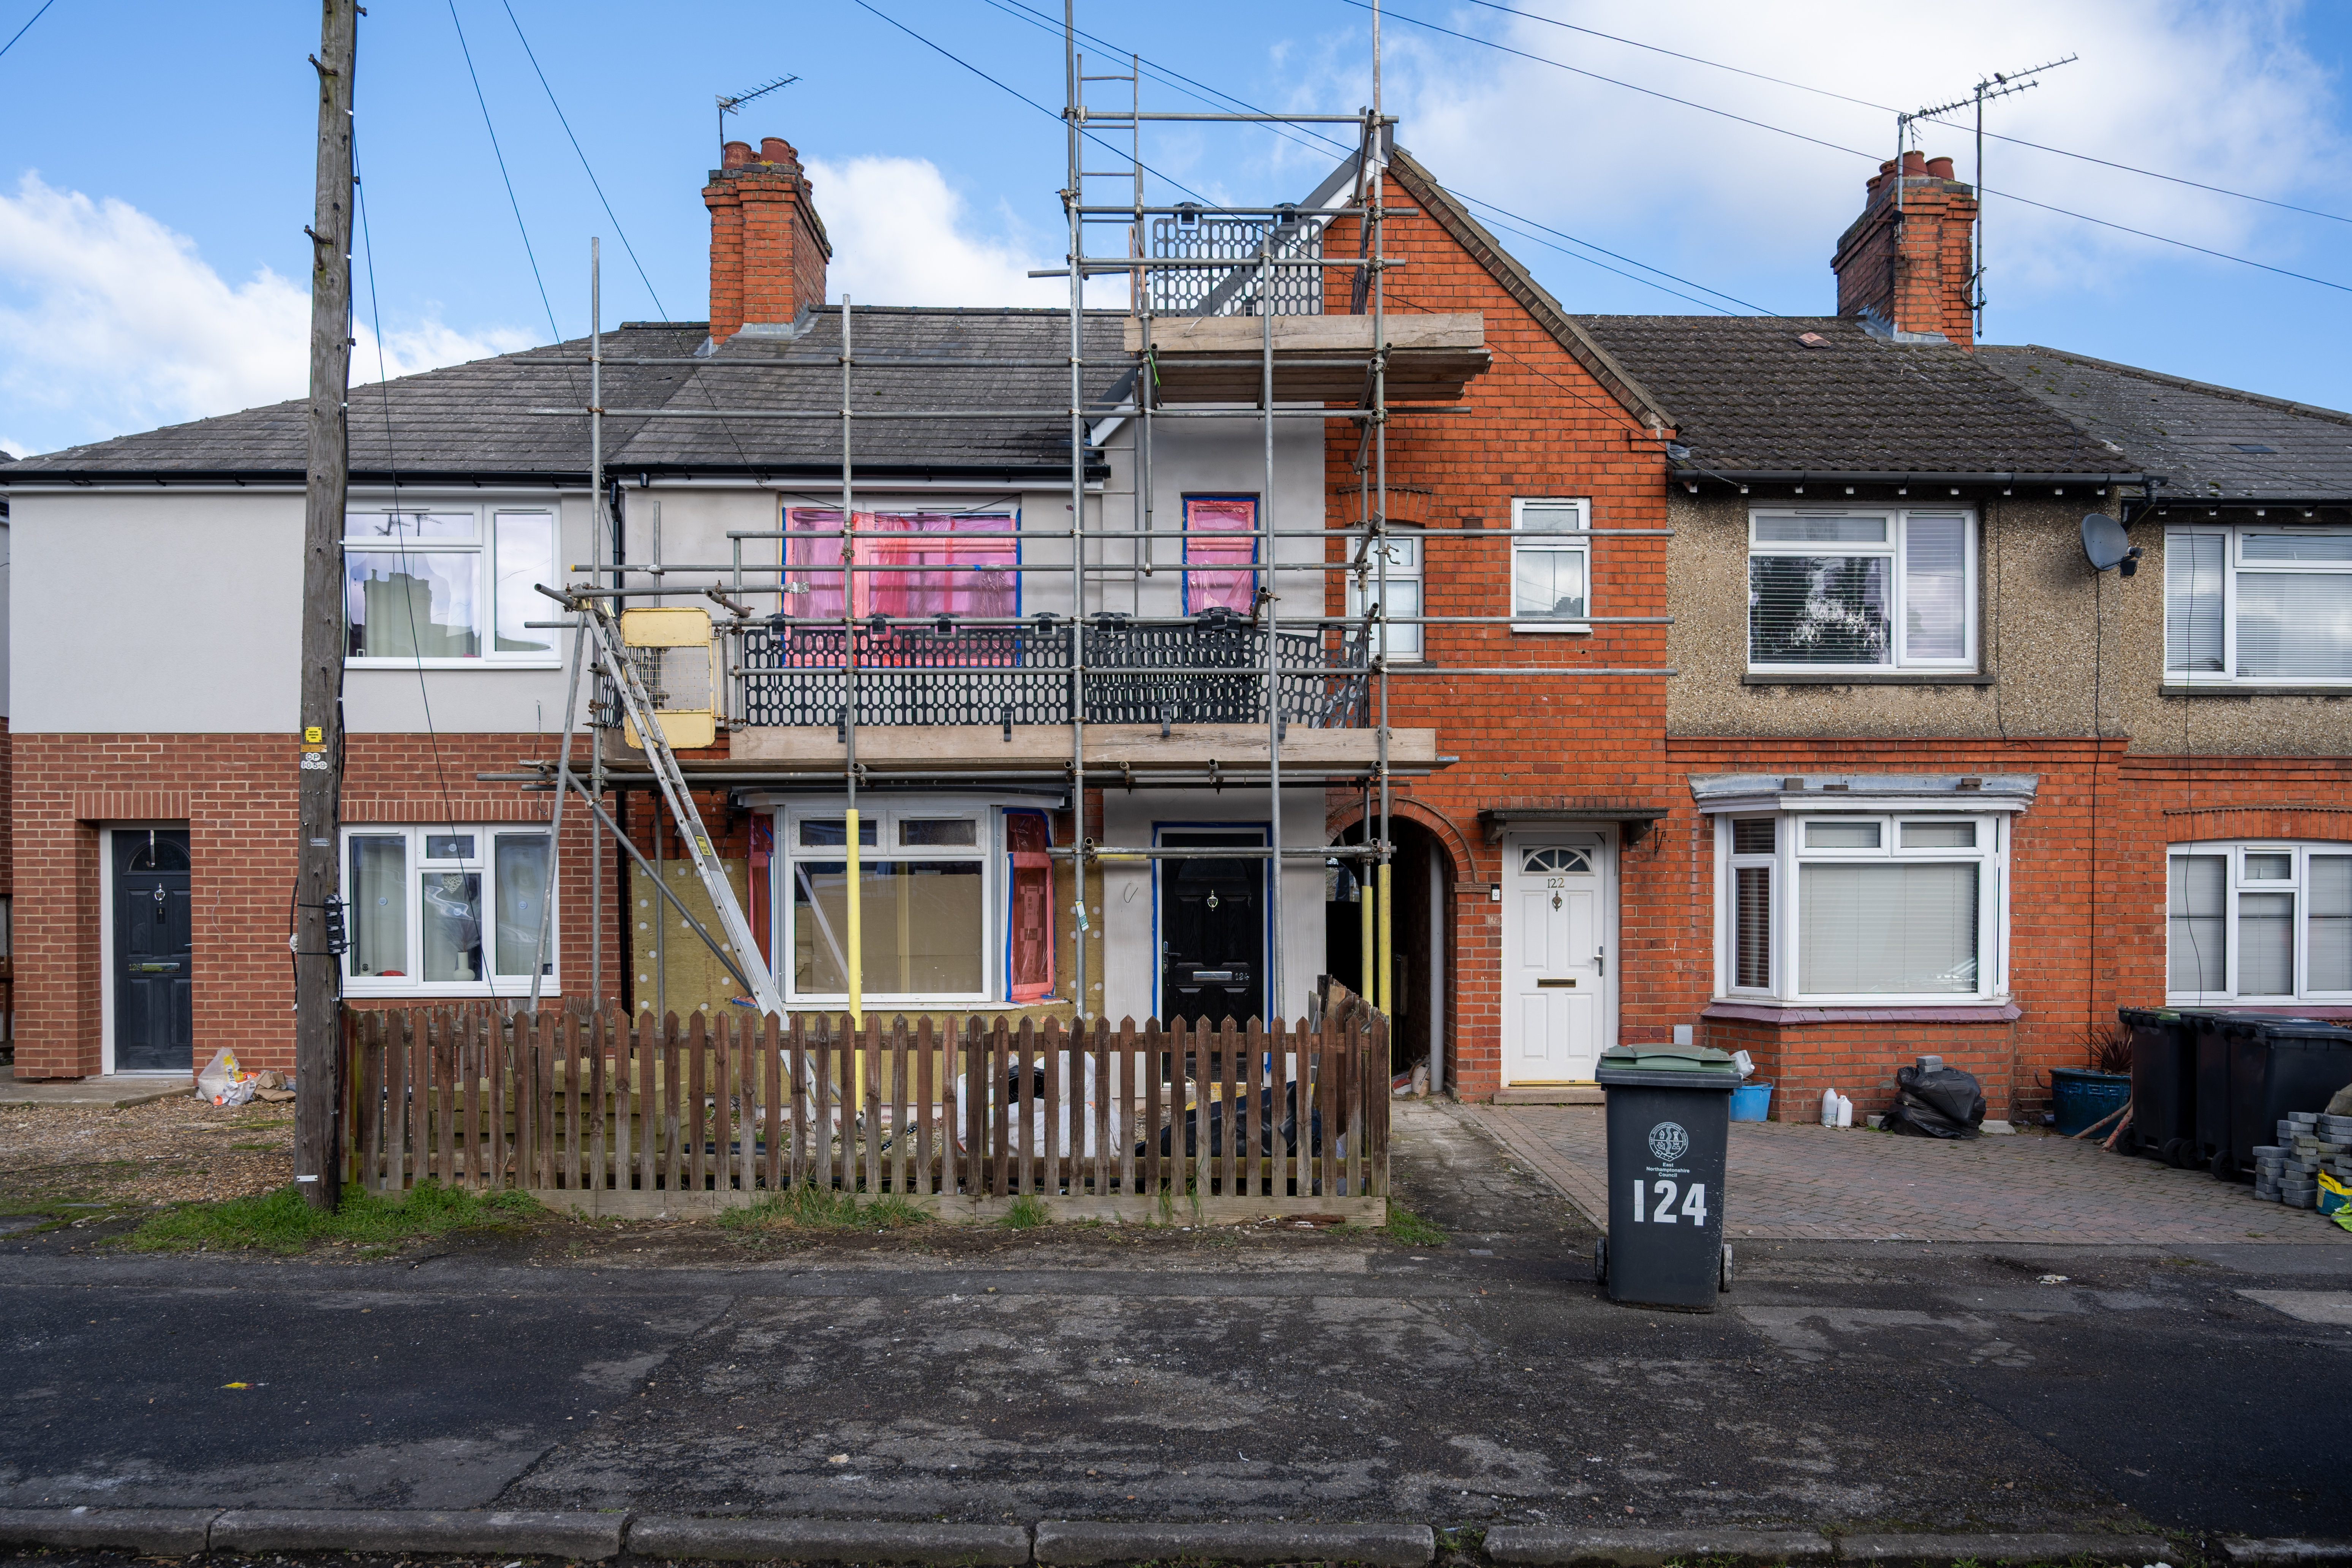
(963, 556)
(1211, 578)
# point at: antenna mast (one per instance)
(728, 104)
(2000, 84)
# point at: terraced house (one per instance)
(1744, 675)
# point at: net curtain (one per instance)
(966, 553)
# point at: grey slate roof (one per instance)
(1749, 397)
(2188, 431)
(471, 420)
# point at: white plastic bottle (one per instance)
(1829, 1108)
(1845, 1111)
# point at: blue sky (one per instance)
(157, 173)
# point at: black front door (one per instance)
(154, 1025)
(1212, 931)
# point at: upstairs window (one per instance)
(1551, 562)
(2258, 605)
(1879, 590)
(447, 584)
(1220, 572)
(922, 564)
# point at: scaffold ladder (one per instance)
(638, 706)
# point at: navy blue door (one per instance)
(1212, 931)
(155, 1027)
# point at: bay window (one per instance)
(447, 585)
(2262, 921)
(2257, 604)
(1861, 908)
(444, 910)
(1877, 590)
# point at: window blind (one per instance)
(1819, 609)
(1935, 588)
(1886, 930)
(2193, 602)
(2200, 952)
(2265, 944)
(2294, 625)
(1752, 923)
(2328, 965)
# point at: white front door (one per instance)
(1558, 979)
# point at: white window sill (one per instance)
(1554, 629)
(416, 664)
(516, 988)
(1914, 1009)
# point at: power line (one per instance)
(1889, 109)
(28, 26)
(501, 157)
(562, 120)
(1196, 89)
(1855, 152)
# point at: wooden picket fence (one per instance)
(605, 1115)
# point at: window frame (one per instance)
(857, 585)
(483, 547)
(1188, 567)
(1577, 541)
(1897, 550)
(414, 867)
(988, 850)
(1785, 894)
(2233, 537)
(1414, 636)
(2236, 883)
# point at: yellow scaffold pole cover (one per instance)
(1382, 945)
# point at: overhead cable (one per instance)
(27, 26)
(501, 157)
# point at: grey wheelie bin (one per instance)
(2220, 1035)
(2278, 1066)
(1669, 1117)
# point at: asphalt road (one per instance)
(1476, 1382)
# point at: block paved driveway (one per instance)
(1791, 1181)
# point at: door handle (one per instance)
(1600, 960)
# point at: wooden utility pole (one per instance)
(318, 1000)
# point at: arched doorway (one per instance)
(1420, 944)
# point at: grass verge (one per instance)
(808, 1207)
(1412, 1229)
(280, 1221)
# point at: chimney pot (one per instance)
(1914, 162)
(734, 154)
(1940, 168)
(776, 149)
(1887, 167)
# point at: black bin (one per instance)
(2163, 1084)
(2218, 1035)
(2277, 1065)
(1669, 1117)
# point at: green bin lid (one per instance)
(1669, 1059)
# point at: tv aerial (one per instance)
(2105, 545)
(731, 102)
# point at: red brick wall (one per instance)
(768, 249)
(238, 795)
(1538, 424)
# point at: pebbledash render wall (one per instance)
(236, 795)
(1539, 423)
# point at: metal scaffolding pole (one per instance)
(1073, 195)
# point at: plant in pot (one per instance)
(2086, 1096)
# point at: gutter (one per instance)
(418, 478)
(1690, 474)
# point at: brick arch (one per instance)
(2331, 824)
(1457, 846)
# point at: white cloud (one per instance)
(1710, 196)
(902, 236)
(114, 323)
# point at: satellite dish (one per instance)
(2106, 545)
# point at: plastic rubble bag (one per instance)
(2335, 1198)
(224, 1082)
(1936, 1103)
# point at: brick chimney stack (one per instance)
(768, 247)
(1911, 272)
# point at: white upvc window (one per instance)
(2260, 921)
(1402, 642)
(444, 910)
(2258, 605)
(1901, 907)
(1551, 564)
(929, 881)
(1862, 589)
(447, 584)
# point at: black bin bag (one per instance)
(1936, 1103)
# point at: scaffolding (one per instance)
(1238, 273)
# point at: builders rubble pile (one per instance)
(2312, 1147)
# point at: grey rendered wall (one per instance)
(5, 582)
(161, 612)
(2051, 632)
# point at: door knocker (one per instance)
(1555, 901)
(1213, 901)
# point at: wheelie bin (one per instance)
(1669, 1119)
(2212, 1030)
(2277, 1065)
(2163, 1085)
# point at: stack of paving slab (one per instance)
(2308, 1142)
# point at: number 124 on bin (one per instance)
(1693, 1203)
